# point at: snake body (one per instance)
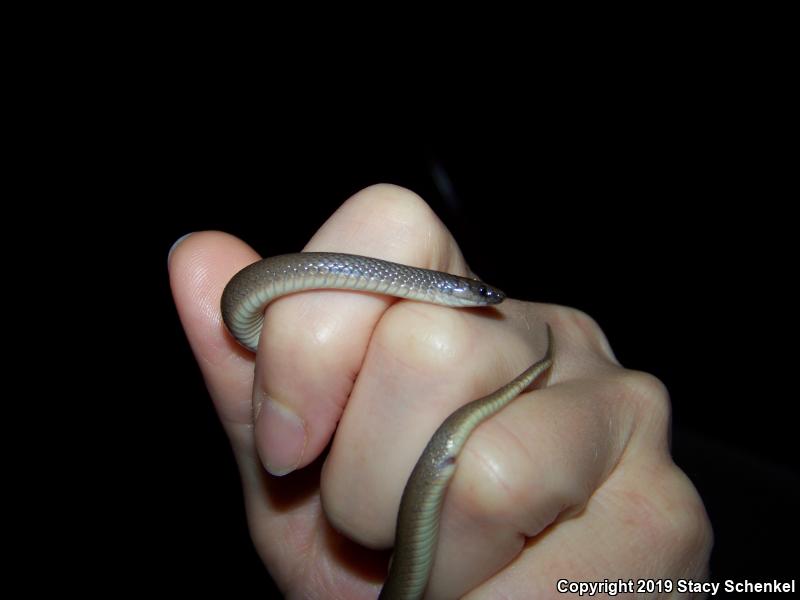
(243, 303)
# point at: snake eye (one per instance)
(482, 290)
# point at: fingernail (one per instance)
(284, 436)
(178, 243)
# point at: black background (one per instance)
(661, 199)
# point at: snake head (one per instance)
(463, 291)
(490, 294)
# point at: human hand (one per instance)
(573, 481)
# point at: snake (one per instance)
(244, 301)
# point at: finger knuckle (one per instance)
(583, 330)
(395, 203)
(679, 522)
(494, 488)
(428, 338)
(646, 393)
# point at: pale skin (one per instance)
(571, 481)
